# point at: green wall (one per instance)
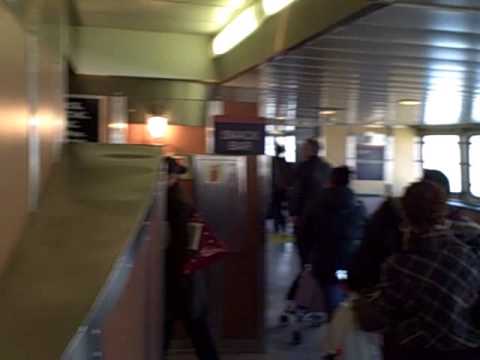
(114, 52)
(183, 101)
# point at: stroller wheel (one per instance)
(296, 338)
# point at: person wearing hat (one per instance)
(185, 298)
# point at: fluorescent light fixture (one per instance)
(328, 112)
(119, 126)
(271, 7)
(225, 13)
(240, 28)
(157, 126)
(409, 102)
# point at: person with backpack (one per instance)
(185, 294)
(335, 223)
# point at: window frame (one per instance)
(454, 195)
(465, 133)
(470, 197)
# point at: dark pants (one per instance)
(304, 254)
(186, 304)
(199, 332)
(279, 221)
(334, 295)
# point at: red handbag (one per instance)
(206, 248)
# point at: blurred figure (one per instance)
(335, 222)
(383, 236)
(310, 177)
(429, 289)
(186, 295)
(281, 180)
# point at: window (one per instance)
(287, 141)
(442, 152)
(475, 165)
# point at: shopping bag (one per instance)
(309, 295)
(345, 338)
(205, 248)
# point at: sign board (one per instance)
(236, 138)
(370, 162)
(83, 119)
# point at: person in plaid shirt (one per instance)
(430, 290)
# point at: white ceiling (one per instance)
(423, 50)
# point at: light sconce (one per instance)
(157, 126)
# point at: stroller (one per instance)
(308, 308)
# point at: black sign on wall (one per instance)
(239, 138)
(83, 119)
(370, 162)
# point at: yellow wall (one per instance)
(31, 86)
(13, 133)
(403, 156)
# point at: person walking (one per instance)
(310, 177)
(336, 223)
(281, 180)
(430, 289)
(186, 295)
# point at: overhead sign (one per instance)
(237, 138)
(83, 119)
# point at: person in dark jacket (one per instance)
(281, 179)
(336, 223)
(185, 298)
(310, 177)
(383, 236)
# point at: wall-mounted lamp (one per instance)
(157, 126)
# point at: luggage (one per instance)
(309, 296)
(346, 340)
(308, 309)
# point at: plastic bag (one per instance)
(208, 248)
(345, 338)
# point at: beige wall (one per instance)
(13, 133)
(114, 52)
(403, 157)
(31, 87)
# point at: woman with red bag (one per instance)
(185, 298)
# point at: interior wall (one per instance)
(115, 52)
(403, 157)
(184, 102)
(13, 133)
(182, 140)
(31, 110)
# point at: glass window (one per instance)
(474, 158)
(287, 141)
(442, 152)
